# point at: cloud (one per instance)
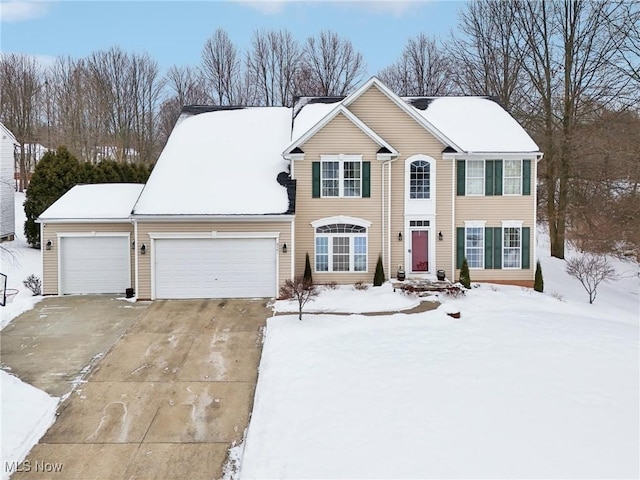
(397, 8)
(12, 12)
(268, 7)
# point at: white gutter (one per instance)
(42, 256)
(293, 249)
(453, 221)
(389, 215)
(215, 218)
(84, 220)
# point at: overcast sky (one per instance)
(173, 32)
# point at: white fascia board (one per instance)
(408, 109)
(294, 156)
(214, 218)
(492, 155)
(341, 219)
(212, 234)
(84, 220)
(330, 116)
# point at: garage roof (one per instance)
(223, 162)
(104, 201)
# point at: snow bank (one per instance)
(346, 299)
(27, 413)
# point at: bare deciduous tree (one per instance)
(221, 68)
(330, 66)
(591, 270)
(272, 64)
(423, 69)
(301, 290)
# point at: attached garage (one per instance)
(94, 264)
(215, 267)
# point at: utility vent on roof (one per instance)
(421, 103)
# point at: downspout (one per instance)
(535, 208)
(453, 220)
(389, 215)
(42, 257)
(382, 211)
(135, 255)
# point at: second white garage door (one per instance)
(215, 268)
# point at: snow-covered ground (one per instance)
(523, 385)
(27, 412)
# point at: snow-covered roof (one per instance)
(103, 201)
(6, 132)
(222, 162)
(308, 116)
(475, 124)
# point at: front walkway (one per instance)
(167, 401)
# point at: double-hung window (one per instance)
(341, 176)
(475, 177)
(511, 246)
(474, 244)
(341, 247)
(419, 177)
(512, 177)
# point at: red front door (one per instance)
(419, 251)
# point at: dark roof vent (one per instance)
(449, 150)
(421, 103)
(384, 150)
(296, 150)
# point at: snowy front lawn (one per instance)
(524, 385)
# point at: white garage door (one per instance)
(94, 264)
(215, 268)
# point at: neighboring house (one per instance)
(7, 185)
(240, 195)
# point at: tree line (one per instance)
(568, 70)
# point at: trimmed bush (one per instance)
(378, 277)
(538, 283)
(307, 269)
(465, 278)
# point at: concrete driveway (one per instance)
(167, 401)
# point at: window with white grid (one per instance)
(419, 177)
(474, 246)
(512, 173)
(341, 247)
(511, 247)
(475, 177)
(330, 179)
(341, 177)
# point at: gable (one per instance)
(339, 135)
(378, 111)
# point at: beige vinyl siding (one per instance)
(144, 228)
(338, 136)
(410, 138)
(494, 210)
(50, 257)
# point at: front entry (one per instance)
(420, 251)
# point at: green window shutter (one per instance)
(526, 242)
(497, 176)
(488, 247)
(460, 247)
(497, 247)
(461, 177)
(366, 179)
(488, 177)
(315, 190)
(526, 177)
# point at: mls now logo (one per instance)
(29, 466)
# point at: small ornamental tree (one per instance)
(299, 290)
(378, 277)
(307, 269)
(465, 278)
(591, 270)
(538, 283)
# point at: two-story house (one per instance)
(239, 196)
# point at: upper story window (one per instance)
(341, 176)
(475, 177)
(419, 178)
(512, 182)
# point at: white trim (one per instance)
(42, 256)
(408, 109)
(293, 251)
(512, 223)
(92, 234)
(213, 218)
(408, 242)
(330, 253)
(341, 219)
(294, 156)
(84, 220)
(504, 176)
(466, 177)
(490, 155)
(330, 116)
(212, 234)
(453, 232)
(340, 159)
(475, 223)
(534, 240)
(136, 258)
